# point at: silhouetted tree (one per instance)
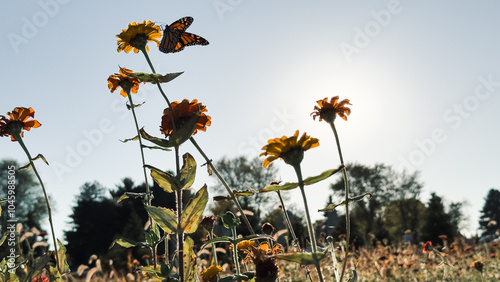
(490, 214)
(437, 221)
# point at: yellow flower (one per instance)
(210, 272)
(183, 112)
(328, 110)
(266, 269)
(244, 245)
(478, 265)
(127, 83)
(290, 149)
(136, 36)
(17, 122)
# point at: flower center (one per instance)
(293, 156)
(139, 41)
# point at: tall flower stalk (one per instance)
(328, 111)
(13, 127)
(291, 150)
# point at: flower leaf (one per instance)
(40, 156)
(123, 197)
(188, 171)
(189, 260)
(135, 138)
(135, 105)
(165, 218)
(182, 134)
(165, 180)
(38, 265)
(246, 193)
(331, 207)
(301, 258)
(61, 253)
(158, 141)
(324, 175)
(126, 243)
(156, 148)
(284, 187)
(154, 78)
(191, 217)
(216, 240)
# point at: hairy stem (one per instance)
(347, 216)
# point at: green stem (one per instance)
(292, 232)
(224, 183)
(235, 251)
(308, 221)
(346, 185)
(147, 59)
(180, 232)
(157, 83)
(148, 192)
(21, 142)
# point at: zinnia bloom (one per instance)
(127, 83)
(40, 278)
(290, 149)
(328, 110)
(244, 245)
(136, 36)
(428, 246)
(266, 269)
(182, 113)
(210, 272)
(19, 120)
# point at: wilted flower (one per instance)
(17, 122)
(208, 222)
(267, 228)
(266, 269)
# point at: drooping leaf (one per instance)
(40, 156)
(331, 207)
(153, 274)
(324, 175)
(38, 265)
(158, 141)
(135, 105)
(182, 134)
(301, 258)
(156, 148)
(123, 197)
(165, 180)
(189, 260)
(188, 171)
(216, 240)
(191, 216)
(221, 198)
(166, 219)
(24, 167)
(156, 77)
(135, 138)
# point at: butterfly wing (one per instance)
(172, 34)
(175, 38)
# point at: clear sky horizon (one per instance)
(423, 78)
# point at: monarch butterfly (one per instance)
(175, 38)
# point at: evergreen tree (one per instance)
(490, 215)
(436, 221)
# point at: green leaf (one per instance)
(24, 167)
(183, 133)
(165, 180)
(153, 274)
(126, 243)
(156, 148)
(123, 197)
(331, 207)
(308, 181)
(166, 219)
(40, 156)
(135, 138)
(284, 187)
(230, 220)
(189, 260)
(246, 193)
(4, 237)
(188, 171)
(156, 77)
(135, 105)
(191, 216)
(61, 253)
(37, 267)
(324, 175)
(301, 258)
(158, 141)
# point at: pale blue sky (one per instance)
(423, 78)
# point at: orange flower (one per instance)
(136, 36)
(428, 247)
(40, 278)
(182, 113)
(127, 83)
(328, 110)
(244, 245)
(443, 237)
(210, 272)
(290, 149)
(19, 120)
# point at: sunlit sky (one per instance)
(423, 78)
